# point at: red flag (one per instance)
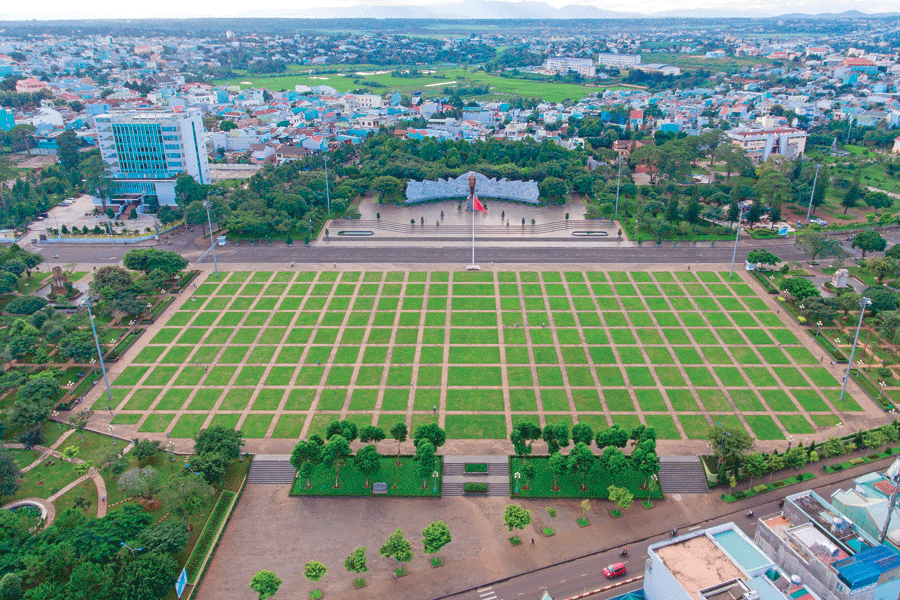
(477, 205)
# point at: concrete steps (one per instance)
(682, 475)
(271, 469)
(455, 477)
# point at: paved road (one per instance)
(586, 573)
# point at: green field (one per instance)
(282, 354)
(500, 87)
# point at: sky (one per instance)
(106, 9)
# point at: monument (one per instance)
(60, 285)
(840, 277)
(449, 189)
(472, 180)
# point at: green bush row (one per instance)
(836, 353)
(765, 282)
(767, 487)
(207, 535)
(157, 310)
(475, 487)
(860, 460)
(475, 468)
(123, 345)
(879, 396)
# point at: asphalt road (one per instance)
(586, 573)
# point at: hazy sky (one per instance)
(66, 9)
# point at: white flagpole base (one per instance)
(473, 268)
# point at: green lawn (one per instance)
(596, 482)
(401, 480)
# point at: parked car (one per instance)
(614, 570)
(819, 221)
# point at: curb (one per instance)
(607, 588)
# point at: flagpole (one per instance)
(473, 230)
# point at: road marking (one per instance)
(693, 528)
(584, 574)
(562, 580)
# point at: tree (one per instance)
(219, 440)
(556, 436)
(314, 571)
(868, 241)
(734, 211)
(854, 193)
(10, 475)
(620, 496)
(728, 444)
(583, 433)
(800, 288)
(581, 461)
(613, 461)
(762, 257)
(143, 481)
(516, 517)
(35, 400)
(884, 267)
(882, 298)
(397, 547)
(754, 214)
(306, 455)
(346, 429)
(796, 457)
(529, 432)
(435, 537)
(693, 211)
(832, 447)
(265, 584)
(612, 436)
(144, 450)
(11, 587)
(67, 151)
(426, 459)
(388, 188)
(399, 433)
(559, 465)
(212, 467)
(816, 243)
(754, 465)
(672, 210)
(168, 537)
(356, 562)
(645, 461)
(430, 432)
(335, 451)
(150, 575)
(150, 259)
(817, 309)
(368, 462)
(371, 434)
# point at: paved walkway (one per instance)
(574, 396)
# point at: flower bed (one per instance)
(767, 487)
(861, 460)
(475, 487)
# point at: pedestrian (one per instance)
(167, 436)
(532, 541)
(434, 408)
(102, 498)
(689, 267)
(206, 368)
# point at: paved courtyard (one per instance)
(281, 354)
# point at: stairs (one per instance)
(271, 469)
(682, 475)
(431, 229)
(455, 477)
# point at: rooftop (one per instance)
(697, 563)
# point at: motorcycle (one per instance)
(749, 514)
(624, 552)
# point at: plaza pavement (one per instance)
(871, 416)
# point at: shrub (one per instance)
(475, 487)
(760, 488)
(551, 512)
(475, 468)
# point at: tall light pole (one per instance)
(812, 194)
(849, 127)
(734, 254)
(618, 185)
(863, 303)
(327, 192)
(212, 245)
(99, 352)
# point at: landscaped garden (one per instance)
(283, 354)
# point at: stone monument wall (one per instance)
(445, 189)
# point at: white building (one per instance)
(365, 101)
(760, 144)
(145, 152)
(619, 61)
(564, 64)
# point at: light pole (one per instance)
(618, 185)
(54, 415)
(517, 477)
(133, 550)
(110, 430)
(881, 384)
(212, 245)
(863, 303)
(722, 443)
(812, 194)
(99, 352)
(734, 254)
(435, 476)
(327, 192)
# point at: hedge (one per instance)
(825, 343)
(765, 282)
(881, 398)
(475, 487)
(157, 310)
(207, 536)
(475, 468)
(120, 348)
(860, 460)
(767, 487)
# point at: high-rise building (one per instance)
(145, 152)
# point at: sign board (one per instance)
(783, 231)
(181, 583)
(546, 596)
(379, 487)
(749, 266)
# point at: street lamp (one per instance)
(435, 476)
(133, 550)
(212, 245)
(110, 430)
(812, 194)
(734, 254)
(517, 477)
(863, 303)
(55, 414)
(881, 384)
(99, 352)
(327, 192)
(618, 185)
(722, 443)
(818, 325)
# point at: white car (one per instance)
(818, 221)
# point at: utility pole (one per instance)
(863, 303)
(99, 351)
(813, 194)
(212, 244)
(327, 192)
(618, 185)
